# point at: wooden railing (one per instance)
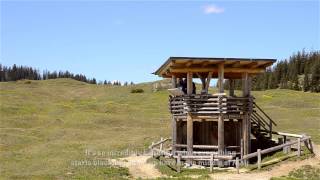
(285, 146)
(208, 105)
(158, 149)
(262, 120)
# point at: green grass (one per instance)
(306, 172)
(47, 125)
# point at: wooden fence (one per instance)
(157, 149)
(286, 146)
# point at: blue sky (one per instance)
(128, 40)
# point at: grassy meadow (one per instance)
(46, 126)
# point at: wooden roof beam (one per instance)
(231, 70)
(188, 64)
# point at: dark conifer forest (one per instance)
(300, 72)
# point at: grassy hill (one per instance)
(45, 126)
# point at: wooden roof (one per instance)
(233, 67)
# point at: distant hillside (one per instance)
(47, 125)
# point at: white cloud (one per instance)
(212, 9)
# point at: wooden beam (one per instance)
(203, 81)
(188, 64)
(189, 135)
(226, 70)
(174, 81)
(231, 87)
(208, 81)
(220, 118)
(220, 77)
(235, 64)
(205, 63)
(246, 85)
(174, 135)
(189, 83)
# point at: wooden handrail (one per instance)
(158, 143)
(275, 148)
(264, 113)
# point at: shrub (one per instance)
(137, 90)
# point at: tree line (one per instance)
(300, 72)
(15, 73)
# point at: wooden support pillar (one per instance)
(174, 135)
(174, 121)
(211, 162)
(203, 81)
(174, 81)
(246, 123)
(221, 77)
(231, 87)
(220, 118)
(189, 136)
(208, 81)
(189, 83)
(245, 85)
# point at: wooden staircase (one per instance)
(261, 127)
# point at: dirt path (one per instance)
(281, 170)
(139, 168)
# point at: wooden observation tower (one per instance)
(219, 123)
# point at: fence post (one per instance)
(237, 164)
(289, 147)
(310, 145)
(259, 158)
(161, 144)
(270, 128)
(241, 151)
(211, 162)
(299, 147)
(179, 163)
(152, 152)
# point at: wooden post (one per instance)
(189, 136)
(245, 85)
(189, 83)
(270, 129)
(311, 146)
(208, 81)
(221, 77)
(179, 163)
(174, 81)
(231, 87)
(244, 139)
(246, 128)
(211, 162)
(241, 148)
(299, 147)
(161, 144)
(259, 158)
(174, 122)
(174, 135)
(288, 147)
(237, 164)
(152, 151)
(220, 117)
